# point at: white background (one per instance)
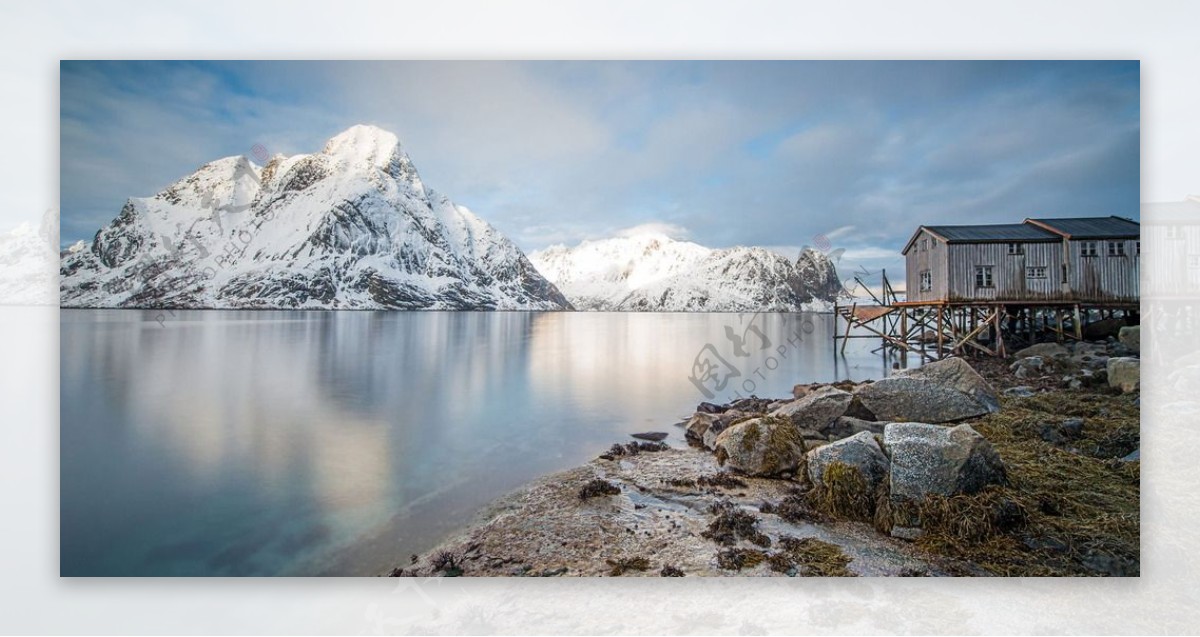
(34, 36)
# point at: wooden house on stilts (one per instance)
(967, 286)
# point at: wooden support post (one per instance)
(941, 332)
(1078, 324)
(923, 312)
(849, 324)
(904, 336)
(999, 344)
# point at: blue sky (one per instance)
(722, 153)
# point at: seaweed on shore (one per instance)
(843, 493)
(447, 563)
(620, 566)
(732, 524)
(633, 448)
(737, 559)
(670, 571)
(812, 557)
(720, 480)
(795, 508)
(598, 487)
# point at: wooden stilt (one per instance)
(849, 324)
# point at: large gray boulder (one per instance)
(860, 452)
(1131, 338)
(1125, 373)
(933, 459)
(761, 447)
(942, 391)
(1043, 350)
(819, 409)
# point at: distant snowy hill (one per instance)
(651, 272)
(352, 226)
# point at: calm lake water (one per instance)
(307, 443)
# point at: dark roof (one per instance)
(1022, 232)
(998, 232)
(1091, 227)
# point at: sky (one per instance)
(848, 156)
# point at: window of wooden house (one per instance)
(1116, 248)
(983, 276)
(1016, 248)
(926, 280)
(1088, 249)
(1035, 272)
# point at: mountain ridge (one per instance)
(651, 272)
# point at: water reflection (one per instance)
(250, 443)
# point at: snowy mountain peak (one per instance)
(363, 147)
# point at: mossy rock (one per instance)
(765, 446)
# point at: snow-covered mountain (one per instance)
(351, 226)
(650, 272)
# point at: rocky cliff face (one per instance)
(351, 226)
(651, 272)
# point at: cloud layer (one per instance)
(725, 153)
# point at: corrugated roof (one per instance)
(996, 232)
(1092, 227)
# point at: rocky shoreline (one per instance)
(1020, 467)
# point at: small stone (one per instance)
(909, 533)
(1043, 350)
(1131, 338)
(1028, 367)
(710, 408)
(1124, 373)
(1072, 427)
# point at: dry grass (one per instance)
(812, 557)
(1063, 513)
